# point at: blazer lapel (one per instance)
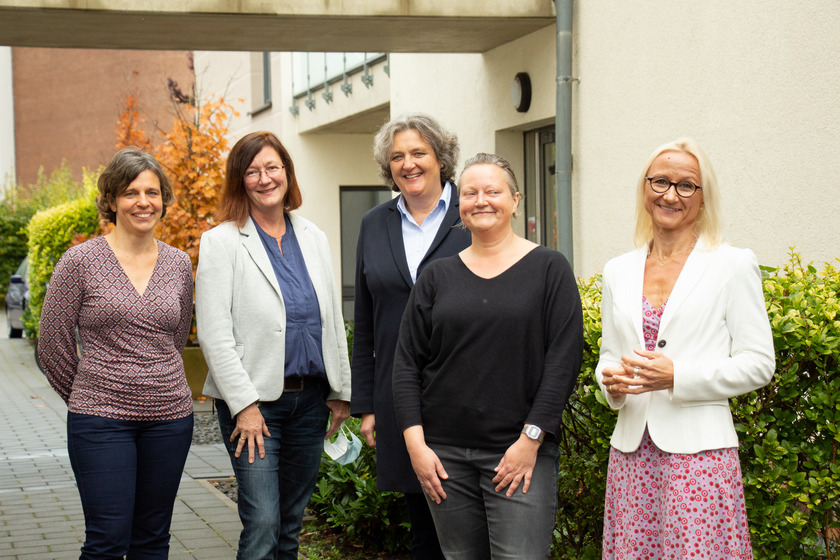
(634, 290)
(395, 240)
(695, 265)
(451, 219)
(253, 244)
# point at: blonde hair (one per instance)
(708, 227)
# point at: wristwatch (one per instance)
(533, 432)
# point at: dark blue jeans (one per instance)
(274, 491)
(128, 474)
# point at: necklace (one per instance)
(662, 261)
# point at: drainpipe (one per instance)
(563, 131)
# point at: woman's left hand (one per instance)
(517, 466)
(339, 412)
(645, 372)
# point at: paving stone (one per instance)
(40, 513)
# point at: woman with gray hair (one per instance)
(130, 417)
(489, 351)
(397, 239)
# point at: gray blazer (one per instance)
(242, 319)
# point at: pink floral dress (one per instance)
(674, 506)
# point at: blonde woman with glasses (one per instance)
(684, 329)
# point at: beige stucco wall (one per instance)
(757, 85)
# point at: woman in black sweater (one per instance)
(489, 350)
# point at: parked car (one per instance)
(16, 299)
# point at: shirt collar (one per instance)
(444, 198)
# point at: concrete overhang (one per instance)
(451, 26)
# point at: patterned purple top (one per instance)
(650, 323)
(131, 367)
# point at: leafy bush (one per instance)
(584, 451)
(788, 430)
(13, 220)
(346, 498)
(18, 206)
(51, 232)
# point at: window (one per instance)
(540, 195)
(260, 82)
(355, 201)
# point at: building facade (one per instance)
(67, 102)
(756, 84)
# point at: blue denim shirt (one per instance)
(303, 316)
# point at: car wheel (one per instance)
(15, 333)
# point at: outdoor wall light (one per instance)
(520, 92)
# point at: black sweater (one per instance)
(478, 358)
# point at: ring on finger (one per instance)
(636, 371)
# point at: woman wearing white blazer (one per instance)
(684, 329)
(270, 326)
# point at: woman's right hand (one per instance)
(250, 429)
(426, 464)
(610, 378)
(368, 428)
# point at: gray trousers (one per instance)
(475, 522)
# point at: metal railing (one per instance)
(314, 72)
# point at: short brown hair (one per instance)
(235, 206)
(125, 167)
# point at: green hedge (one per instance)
(19, 204)
(789, 430)
(50, 233)
(788, 433)
(13, 220)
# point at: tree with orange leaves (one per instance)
(193, 154)
(129, 133)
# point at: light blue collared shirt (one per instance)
(418, 238)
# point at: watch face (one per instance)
(533, 432)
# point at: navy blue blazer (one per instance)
(383, 284)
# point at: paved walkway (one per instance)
(40, 513)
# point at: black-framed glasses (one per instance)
(683, 189)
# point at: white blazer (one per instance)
(714, 328)
(242, 319)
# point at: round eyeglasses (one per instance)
(683, 189)
(253, 176)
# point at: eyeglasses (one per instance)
(661, 185)
(254, 175)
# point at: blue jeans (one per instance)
(274, 491)
(476, 522)
(128, 474)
